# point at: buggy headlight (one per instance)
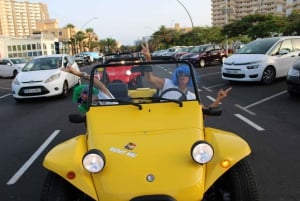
(93, 161)
(202, 152)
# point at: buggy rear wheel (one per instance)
(236, 184)
(56, 188)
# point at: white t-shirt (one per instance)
(169, 84)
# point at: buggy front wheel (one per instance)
(56, 188)
(236, 184)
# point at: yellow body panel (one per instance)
(153, 142)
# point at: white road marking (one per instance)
(29, 162)
(212, 99)
(5, 95)
(251, 123)
(245, 108)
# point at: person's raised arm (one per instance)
(221, 95)
(158, 82)
(86, 76)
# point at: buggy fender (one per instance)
(65, 160)
(229, 149)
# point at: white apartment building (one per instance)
(27, 31)
(19, 18)
(226, 11)
(27, 47)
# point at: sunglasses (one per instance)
(182, 73)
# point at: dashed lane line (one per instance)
(29, 162)
(249, 122)
(5, 96)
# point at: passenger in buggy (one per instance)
(180, 80)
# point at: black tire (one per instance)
(15, 73)
(65, 89)
(202, 63)
(56, 188)
(268, 75)
(222, 60)
(237, 184)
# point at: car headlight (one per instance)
(195, 56)
(253, 65)
(53, 77)
(16, 81)
(294, 72)
(93, 161)
(202, 152)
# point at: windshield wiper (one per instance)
(118, 100)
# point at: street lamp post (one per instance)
(189, 17)
(88, 21)
(186, 12)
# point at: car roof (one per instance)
(51, 56)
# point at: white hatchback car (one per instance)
(9, 67)
(262, 60)
(43, 77)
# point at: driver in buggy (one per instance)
(180, 80)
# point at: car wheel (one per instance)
(236, 184)
(268, 75)
(202, 63)
(222, 60)
(65, 90)
(15, 73)
(56, 188)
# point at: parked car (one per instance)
(172, 51)
(202, 55)
(43, 77)
(158, 52)
(262, 60)
(95, 57)
(79, 58)
(9, 67)
(182, 51)
(293, 79)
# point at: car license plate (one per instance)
(232, 71)
(32, 91)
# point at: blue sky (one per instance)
(129, 20)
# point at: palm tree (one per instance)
(70, 28)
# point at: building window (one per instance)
(28, 47)
(33, 46)
(23, 47)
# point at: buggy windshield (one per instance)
(137, 83)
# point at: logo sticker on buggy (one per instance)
(127, 151)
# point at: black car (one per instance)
(202, 55)
(293, 79)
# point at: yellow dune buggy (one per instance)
(145, 144)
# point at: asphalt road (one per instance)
(264, 115)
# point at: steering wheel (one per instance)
(173, 94)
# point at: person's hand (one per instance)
(223, 93)
(70, 69)
(145, 51)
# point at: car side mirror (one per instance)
(212, 111)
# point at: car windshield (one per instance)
(45, 63)
(128, 83)
(18, 61)
(259, 46)
(197, 49)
